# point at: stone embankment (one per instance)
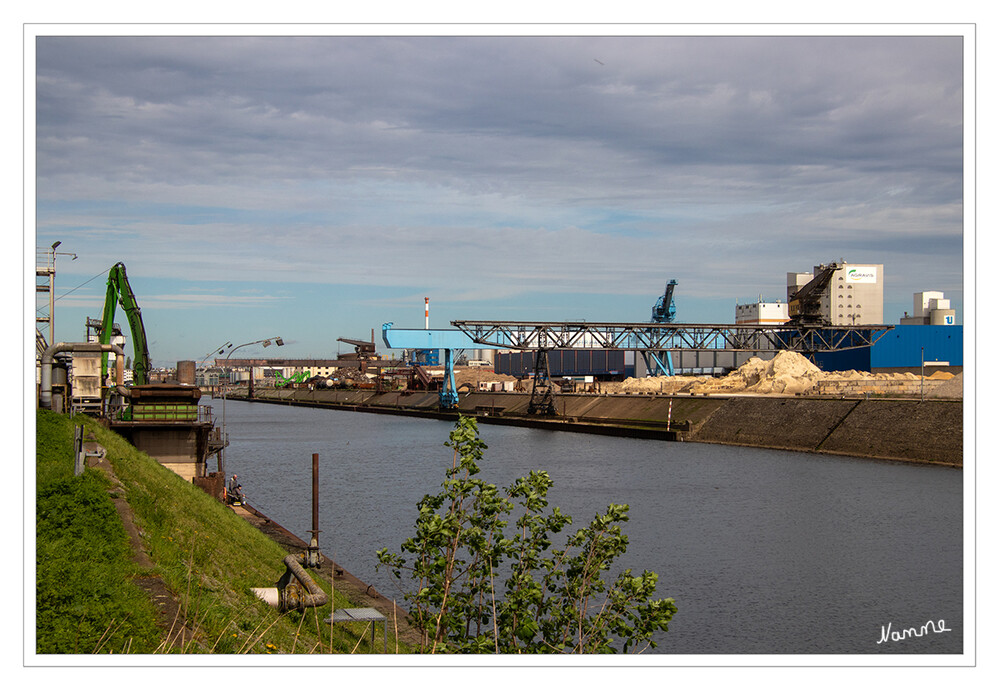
(785, 403)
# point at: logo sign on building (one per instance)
(862, 274)
(949, 320)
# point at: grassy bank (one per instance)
(208, 557)
(86, 600)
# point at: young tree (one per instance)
(478, 590)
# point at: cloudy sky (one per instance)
(317, 187)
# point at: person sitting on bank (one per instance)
(235, 490)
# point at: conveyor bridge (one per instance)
(521, 335)
(749, 339)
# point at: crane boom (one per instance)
(665, 310)
(804, 306)
(119, 291)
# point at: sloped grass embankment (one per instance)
(207, 556)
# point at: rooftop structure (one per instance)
(838, 294)
(760, 312)
(929, 308)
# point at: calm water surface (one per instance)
(765, 552)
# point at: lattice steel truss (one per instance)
(534, 335)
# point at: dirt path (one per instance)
(169, 613)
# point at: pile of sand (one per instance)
(788, 373)
(953, 388)
(668, 385)
(473, 375)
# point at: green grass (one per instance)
(86, 601)
(205, 553)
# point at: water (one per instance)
(765, 552)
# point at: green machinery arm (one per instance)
(120, 291)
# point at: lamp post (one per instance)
(265, 342)
(51, 270)
(922, 371)
(216, 351)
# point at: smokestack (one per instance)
(427, 311)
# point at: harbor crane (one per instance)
(665, 309)
(661, 363)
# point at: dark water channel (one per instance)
(765, 552)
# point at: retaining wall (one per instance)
(909, 430)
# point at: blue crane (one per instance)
(665, 309)
(663, 312)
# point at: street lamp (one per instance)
(51, 290)
(225, 388)
(215, 351)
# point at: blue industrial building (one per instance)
(903, 347)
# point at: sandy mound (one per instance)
(657, 384)
(473, 375)
(788, 373)
(952, 388)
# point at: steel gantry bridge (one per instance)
(534, 335)
(652, 338)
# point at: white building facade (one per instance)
(930, 308)
(853, 295)
(761, 313)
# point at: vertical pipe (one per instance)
(426, 312)
(313, 558)
(315, 494)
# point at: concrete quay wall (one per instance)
(929, 431)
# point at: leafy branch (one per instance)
(552, 600)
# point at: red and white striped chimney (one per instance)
(426, 312)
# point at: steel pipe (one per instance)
(290, 596)
(48, 359)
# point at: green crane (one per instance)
(120, 291)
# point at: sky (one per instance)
(316, 187)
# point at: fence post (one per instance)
(79, 461)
